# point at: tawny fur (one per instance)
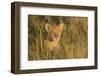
(53, 35)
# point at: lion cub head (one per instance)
(53, 35)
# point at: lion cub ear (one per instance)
(47, 27)
(61, 27)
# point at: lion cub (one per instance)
(53, 35)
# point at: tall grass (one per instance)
(73, 40)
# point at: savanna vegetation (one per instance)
(73, 39)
